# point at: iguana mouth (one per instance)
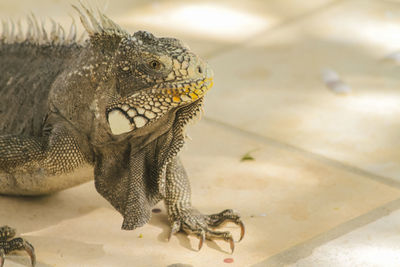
(146, 106)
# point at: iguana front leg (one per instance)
(185, 218)
(8, 244)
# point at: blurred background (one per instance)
(300, 132)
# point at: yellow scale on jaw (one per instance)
(194, 92)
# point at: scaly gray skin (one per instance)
(113, 108)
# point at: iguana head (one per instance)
(149, 76)
(153, 76)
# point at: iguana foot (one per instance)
(8, 244)
(193, 222)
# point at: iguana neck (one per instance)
(133, 178)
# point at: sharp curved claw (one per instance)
(31, 251)
(242, 230)
(175, 228)
(202, 238)
(2, 255)
(232, 243)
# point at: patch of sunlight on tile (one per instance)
(375, 104)
(381, 256)
(362, 27)
(384, 34)
(211, 20)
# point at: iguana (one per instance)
(113, 108)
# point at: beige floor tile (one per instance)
(284, 197)
(273, 86)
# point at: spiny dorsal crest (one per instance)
(94, 26)
(36, 32)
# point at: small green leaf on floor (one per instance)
(140, 236)
(248, 156)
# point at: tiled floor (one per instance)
(324, 186)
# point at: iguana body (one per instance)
(114, 109)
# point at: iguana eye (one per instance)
(155, 64)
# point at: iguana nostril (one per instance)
(200, 69)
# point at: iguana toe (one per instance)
(227, 236)
(176, 226)
(219, 219)
(31, 252)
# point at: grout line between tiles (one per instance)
(318, 157)
(228, 48)
(305, 249)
